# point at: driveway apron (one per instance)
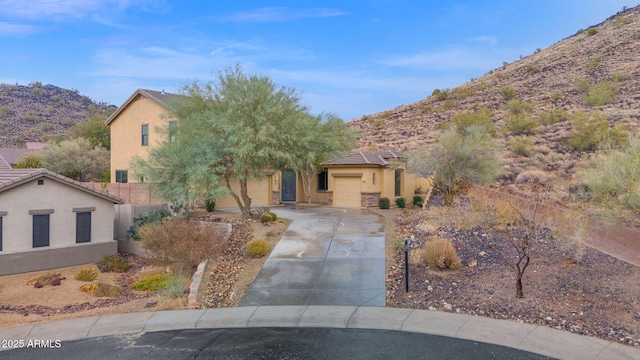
(328, 256)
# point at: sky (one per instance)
(350, 58)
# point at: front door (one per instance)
(288, 185)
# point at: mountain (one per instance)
(36, 112)
(595, 71)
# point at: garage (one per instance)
(347, 191)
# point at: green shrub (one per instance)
(557, 96)
(481, 118)
(532, 69)
(210, 205)
(274, 216)
(183, 240)
(151, 282)
(417, 201)
(266, 217)
(441, 95)
(522, 146)
(257, 248)
(620, 77)
(86, 275)
(398, 244)
(592, 31)
(601, 94)
(591, 132)
(508, 93)
(582, 85)
(440, 254)
(384, 203)
(400, 202)
(623, 20)
(517, 107)
(556, 115)
(112, 263)
(522, 125)
(149, 217)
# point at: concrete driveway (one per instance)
(328, 256)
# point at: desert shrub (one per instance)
(417, 201)
(553, 116)
(591, 132)
(613, 176)
(517, 107)
(210, 205)
(266, 217)
(621, 77)
(151, 282)
(522, 145)
(441, 95)
(522, 125)
(595, 62)
(582, 85)
(106, 290)
(440, 254)
(257, 248)
(149, 217)
(4, 112)
(508, 93)
(532, 69)
(384, 203)
(534, 177)
(32, 116)
(112, 263)
(557, 96)
(400, 202)
(463, 92)
(386, 114)
(623, 20)
(28, 161)
(592, 31)
(398, 244)
(177, 281)
(602, 93)
(86, 275)
(274, 216)
(482, 118)
(182, 240)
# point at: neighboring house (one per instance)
(49, 221)
(134, 131)
(361, 178)
(9, 157)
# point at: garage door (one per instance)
(347, 192)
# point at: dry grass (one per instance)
(440, 254)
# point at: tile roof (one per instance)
(11, 155)
(10, 178)
(376, 157)
(161, 97)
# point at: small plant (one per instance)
(384, 203)
(150, 217)
(582, 85)
(481, 118)
(210, 205)
(441, 255)
(601, 94)
(417, 201)
(557, 96)
(106, 290)
(591, 132)
(266, 217)
(595, 62)
(257, 248)
(400, 203)
(86, 275)
(441, 95)
(151, 282)
(522, 146)
(508, 93)
(621, 77)
(398, 244)
(274, 216)
(112, 263)
(271, 233)
(522, 125)
(556, 115)
(592, 31)
(517, 107)
(532, 69)
(177, 281)
(623, 20)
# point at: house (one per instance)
(49, 221)
(361, 178)
(134, 130)
(9, 156)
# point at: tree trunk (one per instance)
(519, 292)
(245, 197)
(243, 208)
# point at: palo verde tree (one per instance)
(322, 137)
(76, 159)
(459, 159)
(235, 127)
(94, 130)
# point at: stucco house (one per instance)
(49, 221)
(134, 131)
(9, 156)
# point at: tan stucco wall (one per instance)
(317, 196)
(258, 191)
(126, 135)
(17, 224)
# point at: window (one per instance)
(83, 227)
(398, 182)
(323, 180)
(173, 131)
(122, 176)
(145, 134)
(40, 230)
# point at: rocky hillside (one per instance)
(36, 112)
(597, 70)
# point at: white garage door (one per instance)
(347, 192)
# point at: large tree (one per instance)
(94, 130)
(233, 128)
(322, 137)
(76, 159)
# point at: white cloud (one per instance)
(277, 14)
(60, 9)
(7, 28)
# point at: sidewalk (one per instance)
(537, 339)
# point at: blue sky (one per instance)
(347, 57)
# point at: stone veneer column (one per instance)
(275, 197)
(329, 197)
(369, 199)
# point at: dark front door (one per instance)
(288, 185)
